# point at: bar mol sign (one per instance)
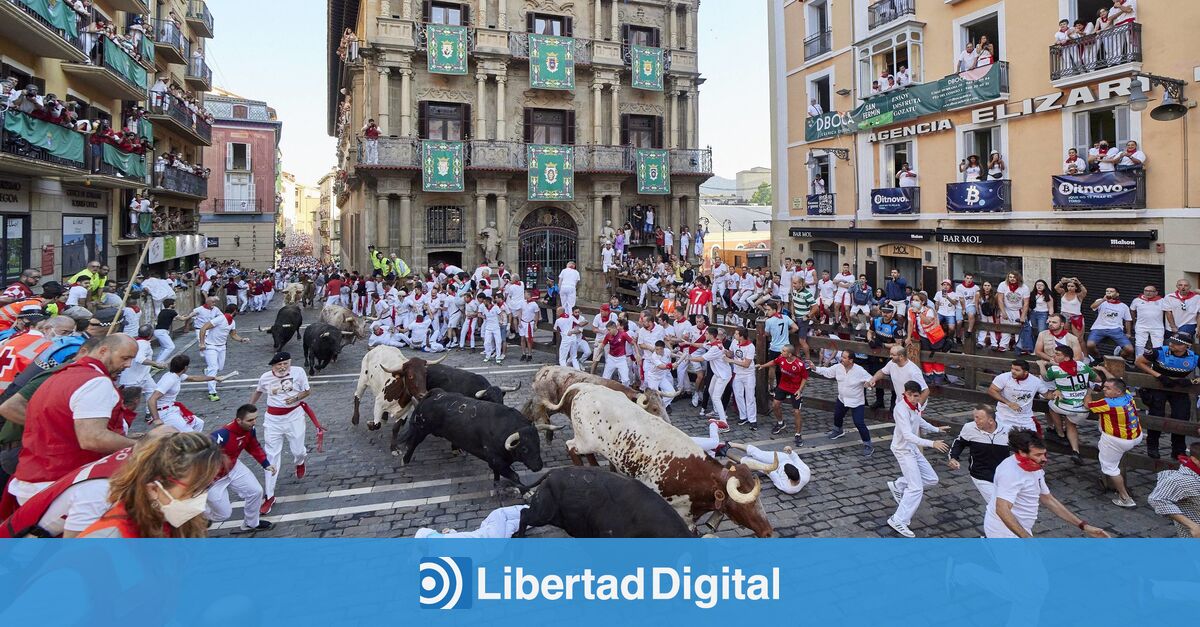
(1085, 94)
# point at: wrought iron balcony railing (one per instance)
(1108, 48)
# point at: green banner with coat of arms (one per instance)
(551, 62)
(446, 48)
(647, 66)
(653, 171)
(551, 172)
(57, 13)
(442, 166)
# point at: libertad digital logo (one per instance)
(442, 581)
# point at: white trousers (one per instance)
(165, 343)
(1112, 449)
(567, 296)
(741, 298)
(661, 381)
(245, 485)
(619, 365)
(568, 356)
(172, 417)
(915, 476)
(493, 342)
(712, 441)
(716, 389)
(682, 383)
(987, 490)
(214, 361)
(1147, 338)
(743, 394)
(278, 428)
(468, 331)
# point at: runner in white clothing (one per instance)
(568, 281)
(717, 357)
(568, 333)
(916, 475)
(214, 336)
(286, 387)
(164, 409)
(530, 312)
(1014, 392)
(493, 319)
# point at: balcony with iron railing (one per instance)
(986, 196)
(199, 76)
(170, 44)
(199, 19)
(112, 71)
(242, 206)
(162, 108)
(885, 11)
(1100, 191)
(818, 44)
(518, 47)
(1113, 51)
(174, 181)
(40, 32)
(27, 146)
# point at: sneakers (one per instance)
(486, 359)
(722, 426)
(695, 399)
(896, 493)
(1076, 458)
(835, 434)
(779, 427)
(798, 441)
(742, 422)
(1120, 502)
(213, 398)
(266, 506)
(754, 426)
(299, 471)
(868, 449)
(901, 528)
(263, 525)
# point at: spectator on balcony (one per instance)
(996, 166)
(371, 134)
(158, 93)
(968, 58)
(1123, 12)
(1103, 158)
(668, 241)
(1132, 159)
(906, 177)
(987, 55)
(903, 77)
(648, 221)
(26, 100)
(818, 184)
(875, 89)
(160, 170)
(135, 211)
(1074, 163)
(89, 36)
(886, 82)
(135, 33)
(970, 169)
(814, 107)
(1063, 35)
(170, 28)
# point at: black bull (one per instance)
(595, 503)
(322, 344)
(497, 434)
(287, 324)
(466, 383)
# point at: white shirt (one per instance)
(966, 60)
(1184, 311)
(903, 78)
(491, 316)
(850, 383)
(606, 256)
(280, 389)
(569, 277)
(1107, 166)
(94, 399)
(1115, 15)
(966, 294)
(1111, 315)
(530, 312)
(514, 294)
(647, 338)
(825, 289)
(907, 178)
(159, 288)
(77, 295)
(1022, 393)
(1126, 161)
(743, 352)
(747, 283)
(652, 364)
(909, 425)
(168, 387)
(819, 185)
(564, 326)
(900, 375)
(138, 371)
(668, 240)
(201, 316)
(218, 335)
(1011, 299)
(1020, 487)
(715, 356)
(1149, 313)
(946, 306)
(815, 109)
(843, 281)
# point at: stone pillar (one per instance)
(674, 95)
(614, 212)
(597, 105)
(384, 117)
(597, 224)
(406, 11)
(694, 114)
(482, 19)
(616, 116)
(502, 226)
(616, 22)
(675, 212)
(503, 6)
(406, 232)
(383, 223)
(405, 101)
(480, 118)
(598, 16)
(501, 109)
(385, 8)
(673, 24)
(480, 215)
(690, 28)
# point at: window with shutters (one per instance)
(548, 24)
(448, 13)
(237, 157)
(549, 126)
(446, 121)
(642, 131)
(443, 225)
(1110, 124)
(632, 35)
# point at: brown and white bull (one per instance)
(551, 383)
(396, 381)
(663, 457)
(352, 327)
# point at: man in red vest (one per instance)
(69, 505)
(68, 416)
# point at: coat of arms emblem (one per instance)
(552, 61)
(447, 48)
(653, 171)
(551, 173)
(648, 67)
(443, 166)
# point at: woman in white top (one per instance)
(986, 56)
(851, 383)
(1071, 296)
(970, 168)
(996, 165)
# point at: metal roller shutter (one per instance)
(1128, 278)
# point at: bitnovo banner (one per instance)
(895, 200)
(986, 195)
(850, 582)
(1102, 190)
(820, 205)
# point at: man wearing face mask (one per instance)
(233, 438)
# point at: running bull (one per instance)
(551, 382)
(322, 344)
(497, 434)
(662, 457)
(395, 382)
(595, 503)
(353, 327)
(466, 383)
(287, 325)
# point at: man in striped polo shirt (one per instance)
(1120, 431)
(802, 307)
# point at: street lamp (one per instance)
(726, 225)
(1173, 104)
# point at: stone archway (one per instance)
(548, 238)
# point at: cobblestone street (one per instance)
(357, 488)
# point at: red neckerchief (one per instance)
(1059, 335)
(1150, 300)
(1129, 151)
(1185, 297)
(968, 284)
(1187, 462)
(1069, 366)
(912, 406)
(1072, 159)
(746, 343)
(1027, 464)
(1013, 286)
(1112, 300)
(229, 317)
(1022, 378)
(777, 315)
(564, 316)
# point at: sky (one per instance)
(262, 53)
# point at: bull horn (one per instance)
(511, 442)
(347, 332)
(733, 489)
(548, 427)
(325, 334)
(390, 371)
(754, 464)
(480, 393)
(438, 360)
(264, 330)
(286, 326)
(514, 388)
(642, 400)
(671, 395)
